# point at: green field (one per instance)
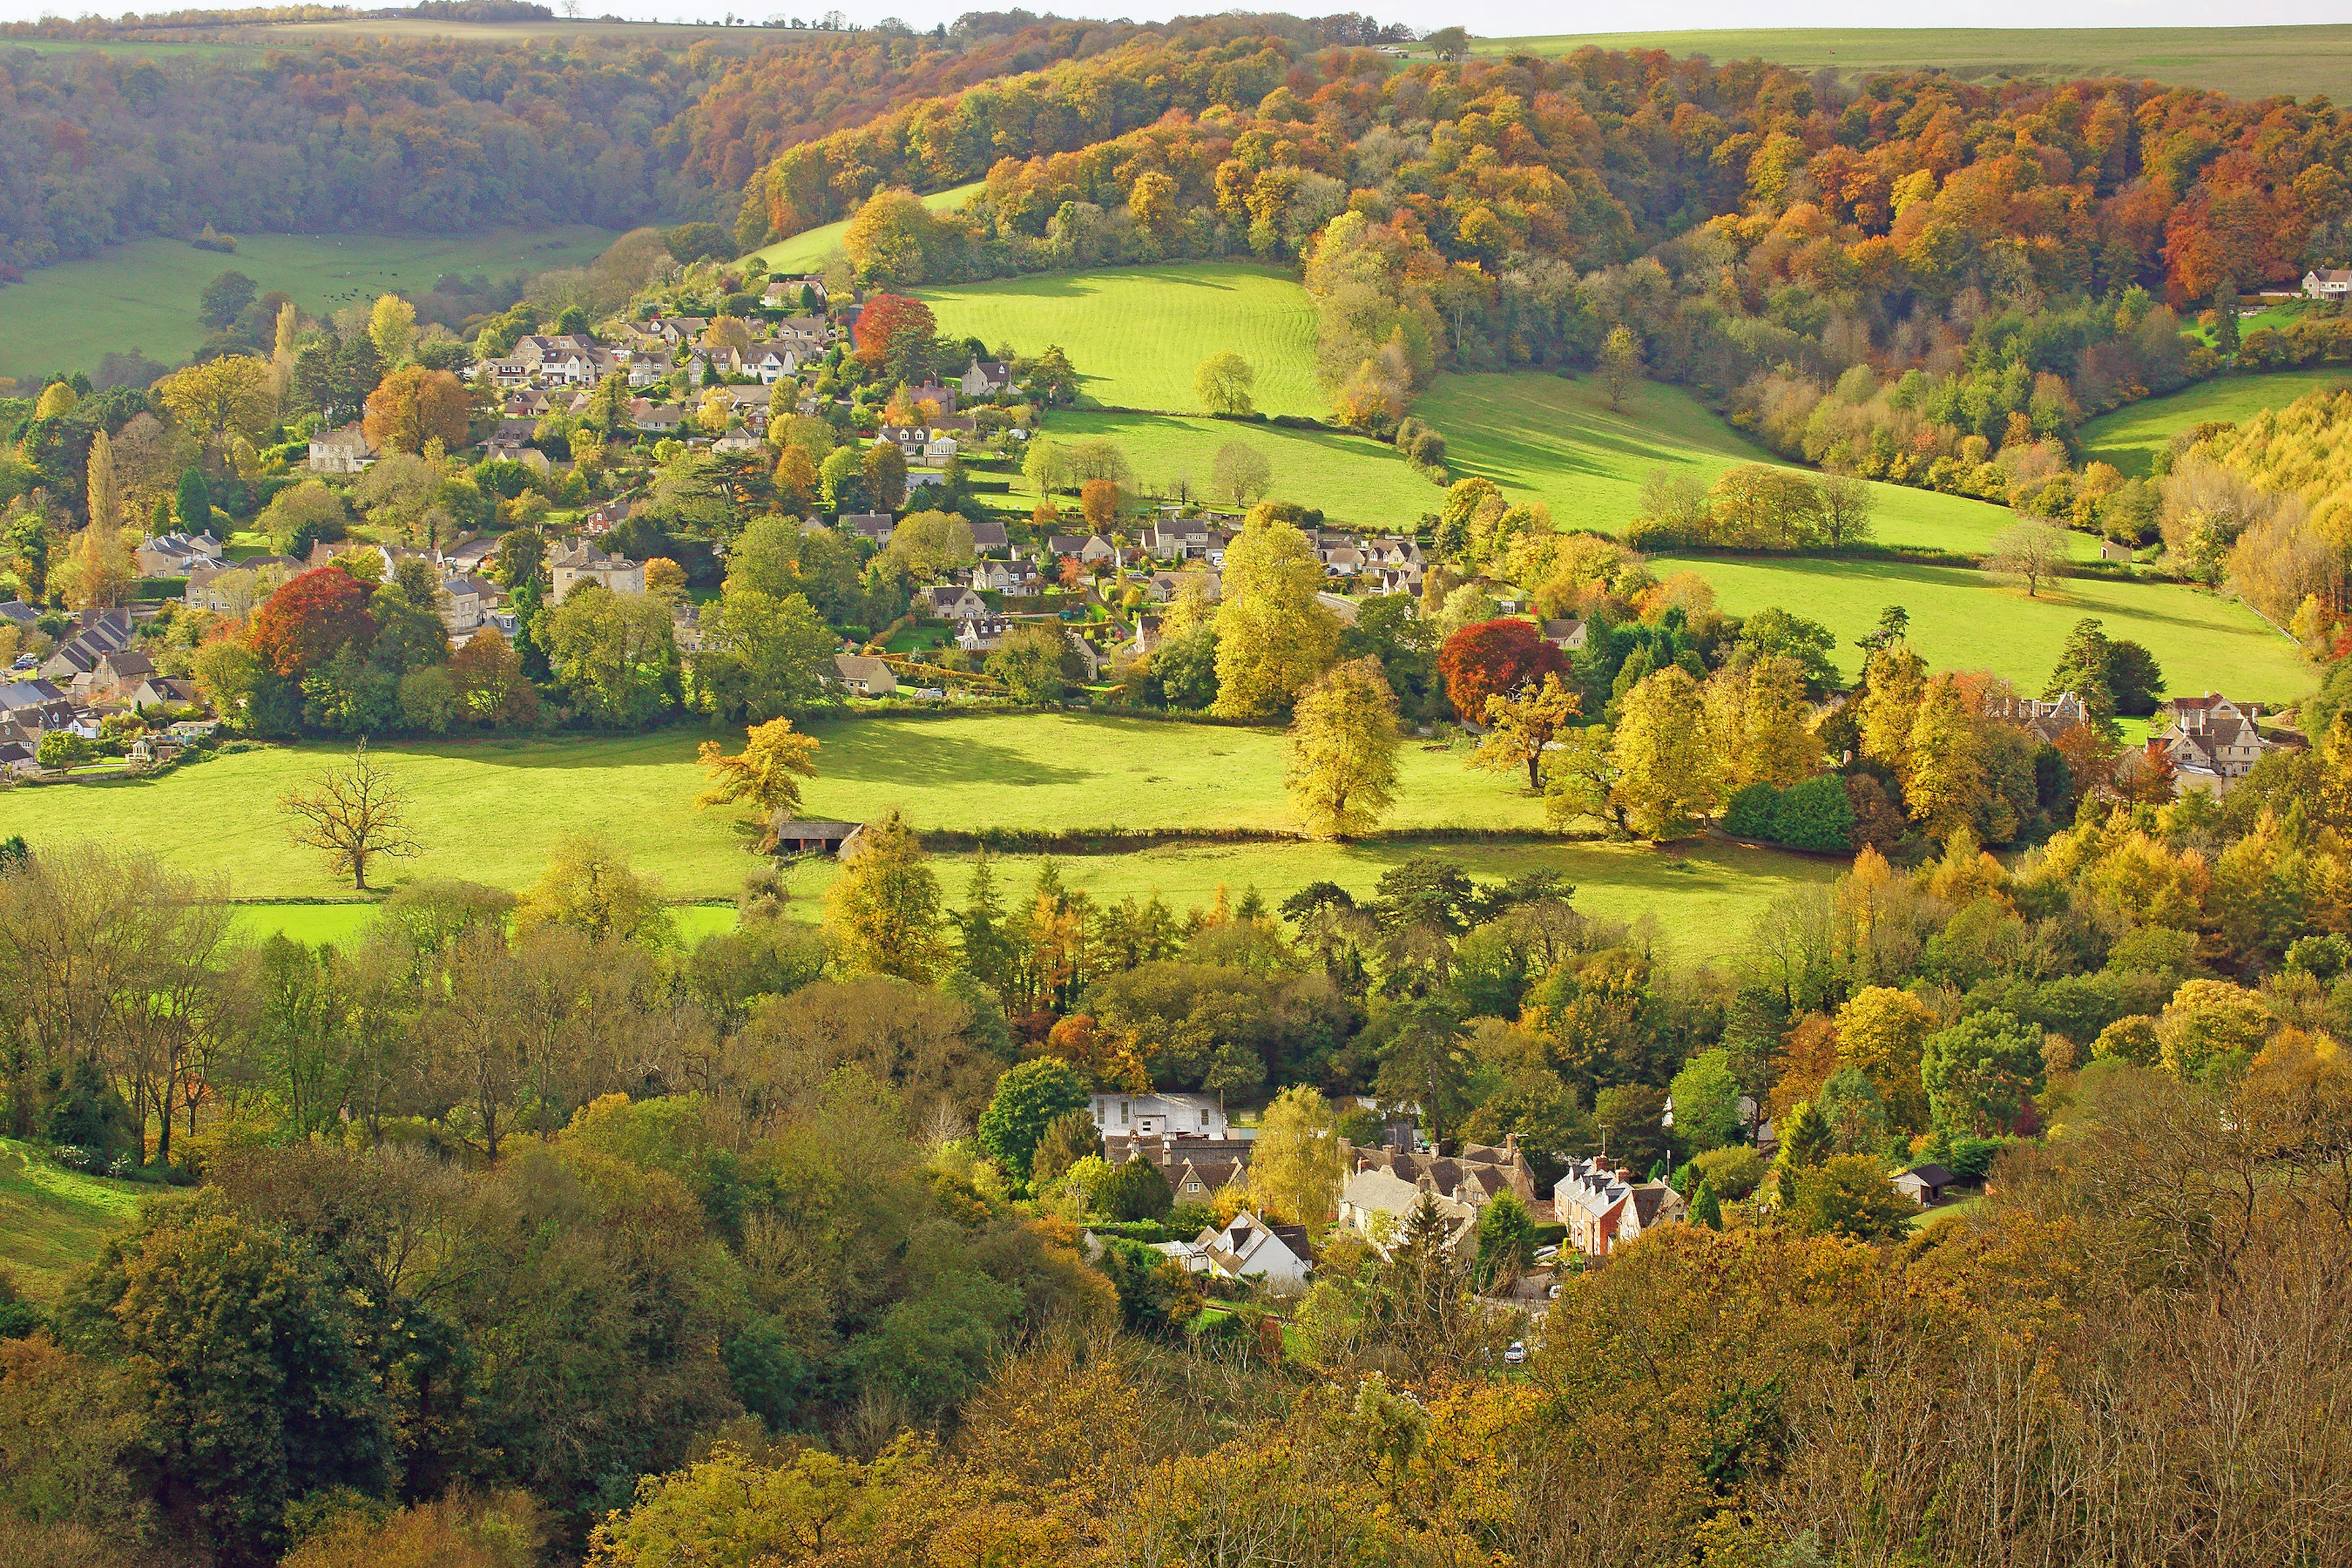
(2132, 436)
(1556, 439)
(488, 811)
(143, 296)
(2245, 62)
(1358, 482)
(1962, 620)
(52, 1220)
(1136, 334)
(807, 249)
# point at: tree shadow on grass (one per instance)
(919, 756)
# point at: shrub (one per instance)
(1752, 812)
(1815, 813)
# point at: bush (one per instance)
(1815, 814)
(1752, 812)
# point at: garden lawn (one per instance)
(489, 811)
(1556, 439)
(1357, 481)
(1960, 620)
(2244, 62)
(1693, 903)
(53, 1220)
(1136, 334)
(806, 251)
(2132, 436)
(144, 294)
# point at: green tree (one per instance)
(1980, 1072)
(1507, 1241)
(1068, 1139)
(615, 654)
(1225, 382)
(1273, 638)
(1036, 663)
(1805, 1137)
(764, 656)
(1705, 1208)
(1849, 1196)
(1134, 1191)
(257, 1392)
(1707, 1103)
(1424, 1064)
(1028, 1101)
(1620, 364)
(882, 912)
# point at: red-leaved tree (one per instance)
(888, 322)
(310, 620)
(1491, 658)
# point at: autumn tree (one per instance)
(308, 621)
(1520, 724)
(1240, 472)
(1493, 658)
(884, 468)
(1098, 501)
(1224, 383)
(882, 912)
(1881, 1031)
(1273, 638)
(490, 685)
(890, 328)
(353, 815)
(797, 485)
(414, 406)
(1667, 777)
(766, 774)
(2030, 552)
(224, 400)
(392, 327)
(1760, 724)
(99, 571)
(1341, 772)
(1620, 364)
(1298, 1162)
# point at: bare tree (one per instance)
(353, 815)
(2029, 552)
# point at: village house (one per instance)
(987, 537)
(2327, 283)
(1565, 636)
(1603, 1207)
(114, 677)
(341, 451)
(35, 707)
(865, 674)
(472, 558)
(1375, 1204)
(176, 554)
(1121, 1111)
(874, 527)
(465, 600)
(165, 691)
(788, 294)
(583, 562)
(101, 632)
(655, 418)
(1196, 1167)
(949, 602)
(1474, 1176)
(1250, 1248)
(984, 634)
(2211, 742)
(797, 837)
(983, 377)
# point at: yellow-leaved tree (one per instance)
(391, 327)
(226, 401)
(1665, 771)
(1343, 740)
(1273, 638)
(98, 572)
(882, 913)
(1520, 724)
(1297, 1164)
(1760, 725)
(765, 774)
(1879, 1034)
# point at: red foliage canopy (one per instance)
(1494, 658)
(890, 319)
(310, 620)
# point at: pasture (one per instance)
(2132, 436)
(2244, 62)
(807, 251)
(144, 294)
(488, 811)
(1358, 482)
(1136, 333)
(1961, 619)
(53, 1220)
(1555, 439)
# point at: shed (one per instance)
(1924, 1185)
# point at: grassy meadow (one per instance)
(807, 251)
(1358, 482)
(53, 1220)
(2132, 436)
(2244, 62)
(144, 294)
(1136, 333)
(1961, 619)
(1555, 439)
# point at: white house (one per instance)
(2327, 282)
(343, 452)
(1250, 1248)
(585, 563)
(1117, 1112)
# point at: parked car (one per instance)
(1517, 1354)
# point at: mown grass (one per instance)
(1136, 334)
(1556, 439)
(489, 811)
(53, 1220)
(144, 294)
(2244, 62)
(1357, 481)
(807, 251)
(2132, 436)
(1961, 619)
